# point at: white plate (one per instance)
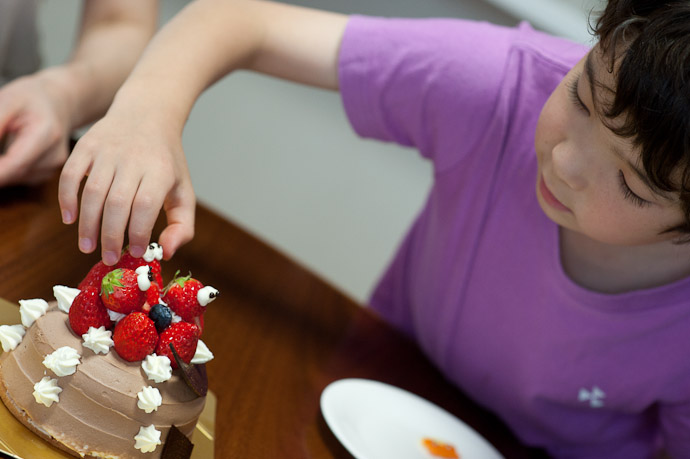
(374, 420)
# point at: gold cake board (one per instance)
(18, 441)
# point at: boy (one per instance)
(566, 313)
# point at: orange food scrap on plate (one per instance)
(439, 449)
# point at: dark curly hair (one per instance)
(648, 42)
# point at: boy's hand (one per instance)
(132, 170)
(133, 157)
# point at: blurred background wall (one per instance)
(281, 160)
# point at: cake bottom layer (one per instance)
(97, 414)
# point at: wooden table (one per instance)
(279, 333)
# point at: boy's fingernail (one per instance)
(109, 258)
(136, 251)
(66, 216)
(85, 244)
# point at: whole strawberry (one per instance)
(95, 276)
(120, 291)
(151, 257)
(188, 297)
(135, 337)
(184, 336)
(87, 310)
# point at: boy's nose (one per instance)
(570, 165)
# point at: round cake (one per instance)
(113, 369)
(97, 412)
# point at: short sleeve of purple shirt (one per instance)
(477, 281)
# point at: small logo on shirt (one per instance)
(594, 397)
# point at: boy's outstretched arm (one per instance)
(133, 157)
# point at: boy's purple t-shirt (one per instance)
(477, 281)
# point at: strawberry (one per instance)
(184, 336)
(153, 297)
(95, 276)
(182, 296)
(129, 262)
(135, 337)
(120, 291)
(199, 322)
(87, 310)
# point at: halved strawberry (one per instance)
(153, 297)
(87, 310)
(184, 336)
(199, 322)
(135, 337)
(120, 291)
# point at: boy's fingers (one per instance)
(93, 198)
(180, 229)
(72, 174)
(116, 211)
(145, 209)
(174, 236)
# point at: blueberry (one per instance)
(161, 316)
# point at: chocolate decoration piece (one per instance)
(177, 445)
(194, 375)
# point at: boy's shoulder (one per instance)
(557, 51)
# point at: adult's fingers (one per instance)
(46, 165)
(9, 109)
(22, 151)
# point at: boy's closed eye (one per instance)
(628, 193)
(574, 94)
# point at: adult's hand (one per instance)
(36, 129)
